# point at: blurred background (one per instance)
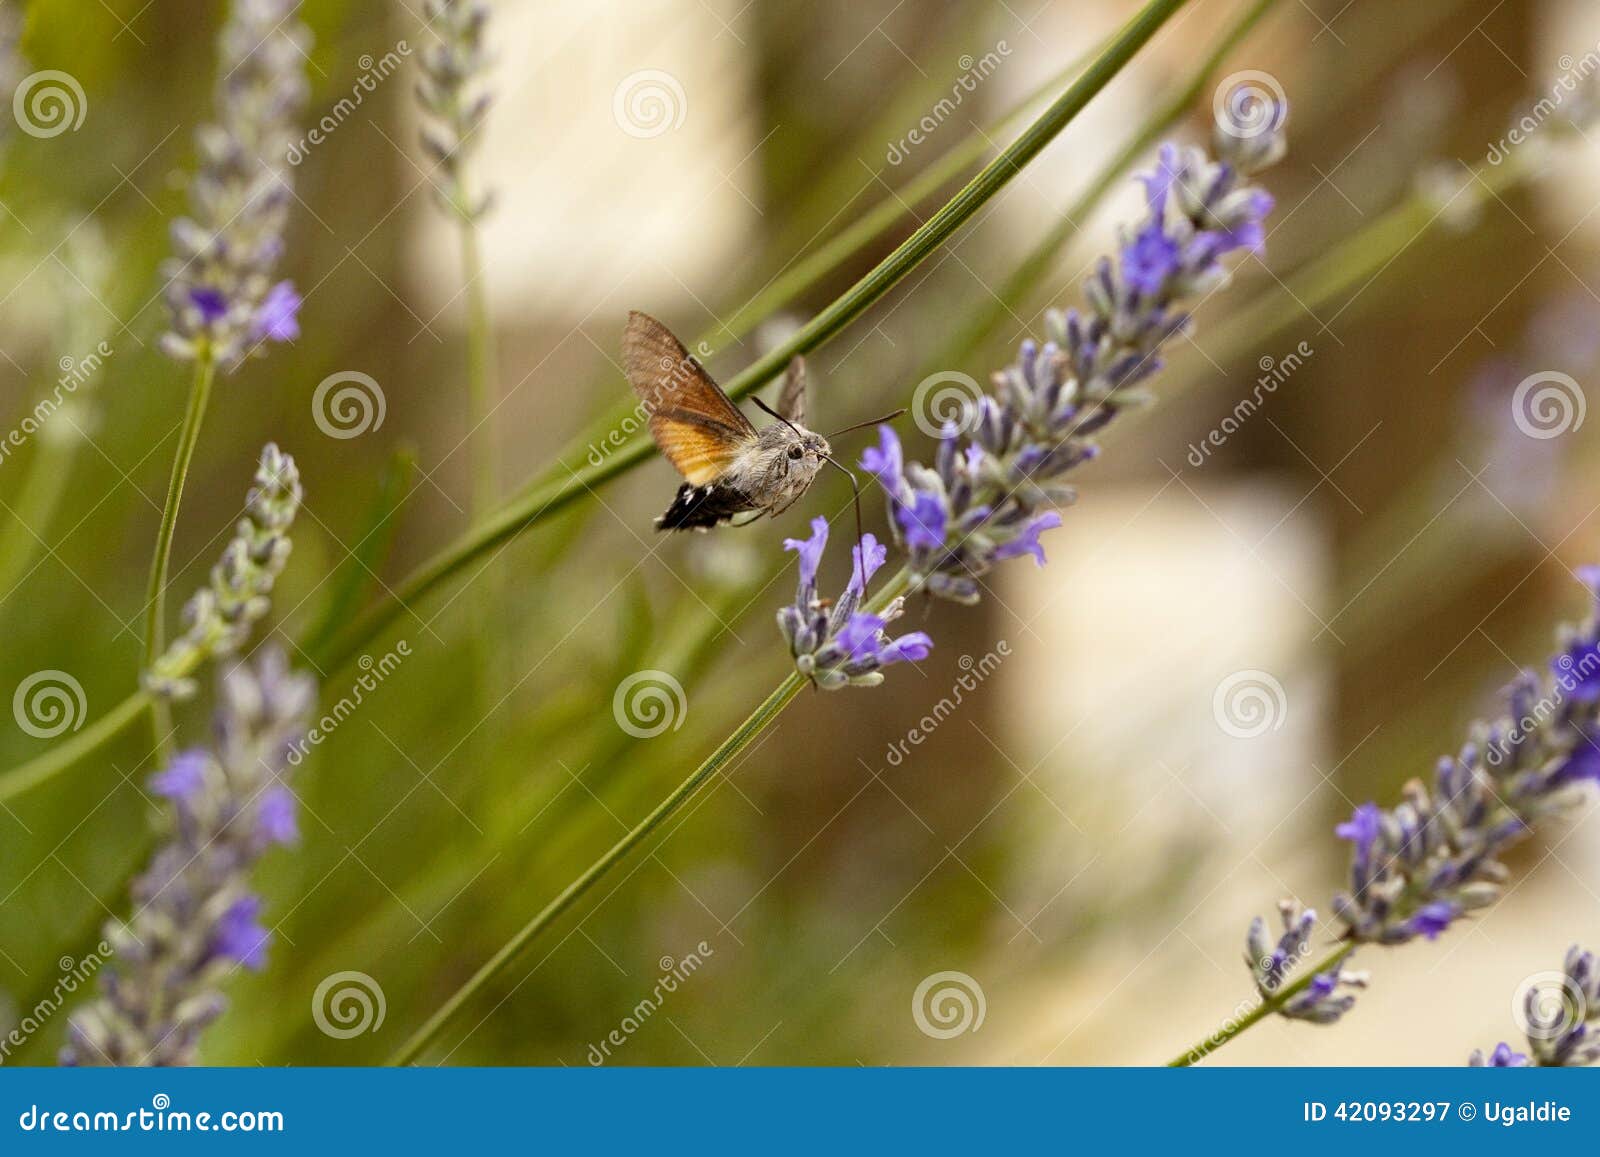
(1121, 758)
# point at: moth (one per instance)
(729, 466)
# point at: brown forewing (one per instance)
(695, 425)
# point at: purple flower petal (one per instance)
(213, 306)
(182, 779)
(909, 648)
(1027, 542)
(922, 521)
(876, 555)
(275, 818)
(277, 318)
(239, 936)
(810, 551)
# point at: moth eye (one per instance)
(796, 453)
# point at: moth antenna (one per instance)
(766, 409)
(870, 422)
(855, 500)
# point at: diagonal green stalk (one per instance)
(542, 502)
(754, 724)
(205, 370)
(1201, 1049)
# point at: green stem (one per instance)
(754, 724)
(63, 755)
(1201, 1049)
(480, 374)
(156, 592)
(543, 501)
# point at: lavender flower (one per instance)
(450, 92)
(195, 918)
(219, 616)
(1321, 1000)
(1502, 1058)
(1560, 1014)
(989, 494)
(844, 646)
(220, 289)
(1419, 867)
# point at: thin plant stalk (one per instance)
(544, 501)
(205, 371)
(1201, 1049)
(742, 736)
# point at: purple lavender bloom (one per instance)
(1418, 867)
(220, 291)
(184, 778)
(1322, 999)
(239, 935)
(994, 483)
(843, 646)
(278, 318)
(195, 917)
(1503, 1057)
(275, 817)
(1560, 1013)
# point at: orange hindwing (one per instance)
(694, 423)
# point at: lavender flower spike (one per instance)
(195, 918)
(220, 615)
(450, 92)
(1322, 1000)
(845, 646)
(995, 478)
(1422, 865)
(220, 290)
(1560, 1014)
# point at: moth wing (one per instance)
(695, 425)
(792, 398)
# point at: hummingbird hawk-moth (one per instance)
(729, 466)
